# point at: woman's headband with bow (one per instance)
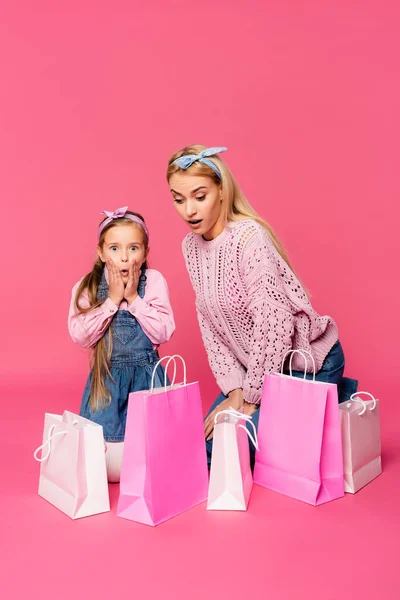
(186, 161)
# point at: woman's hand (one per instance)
(132, 283)
(234, 400)
(116, 286)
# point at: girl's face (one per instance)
(198, 200)
(124, 244)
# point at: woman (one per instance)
(251, 306)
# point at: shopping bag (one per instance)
(361, 437)
(164, 465)
(299, 437)
(73, 473)
(231, 479)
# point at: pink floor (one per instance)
(279, 549)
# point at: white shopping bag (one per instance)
(231, 480)
(361, 440)
(73, 473)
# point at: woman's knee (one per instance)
(333, 366)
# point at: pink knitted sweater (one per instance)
(251, 308)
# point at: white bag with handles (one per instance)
(361, 438)
(231, 480)
(73, 473)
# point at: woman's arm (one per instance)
(227, 369)
(273, 321)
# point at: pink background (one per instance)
(95, 96)
(95, 100)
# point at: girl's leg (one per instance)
(114, 460)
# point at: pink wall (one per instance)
(306, 96)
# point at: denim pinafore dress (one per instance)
(132, 362)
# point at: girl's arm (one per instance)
(86, 329)
(154, 311)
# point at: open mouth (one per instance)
(195, 222)
(124, 272)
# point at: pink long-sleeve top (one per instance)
(251, 308)
(153, 312)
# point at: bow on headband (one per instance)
(186, 161)
(120, 213)
(117, 214)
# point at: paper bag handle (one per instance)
(165, 374)
(355, 398)
(303, 353)
(239, 415)
(50, 436)
(166, 369)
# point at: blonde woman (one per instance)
(251, 306)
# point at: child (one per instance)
(122, 312)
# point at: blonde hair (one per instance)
(100, 396)
(234, 204)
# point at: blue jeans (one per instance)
(330, 372)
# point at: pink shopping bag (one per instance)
(164, 466)
(73, 473)
(231, 480)
(361, 438)
(299, 436)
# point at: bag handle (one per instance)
(165, 375)
(302, 353)
(50, 436)
(355, 398)
(239, 415)
(166, 370)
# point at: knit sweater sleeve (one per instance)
(227, 370)
(269, 306)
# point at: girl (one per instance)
(251, 306)
(120, 310)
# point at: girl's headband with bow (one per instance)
(121, 213)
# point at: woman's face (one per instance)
(198, 200)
